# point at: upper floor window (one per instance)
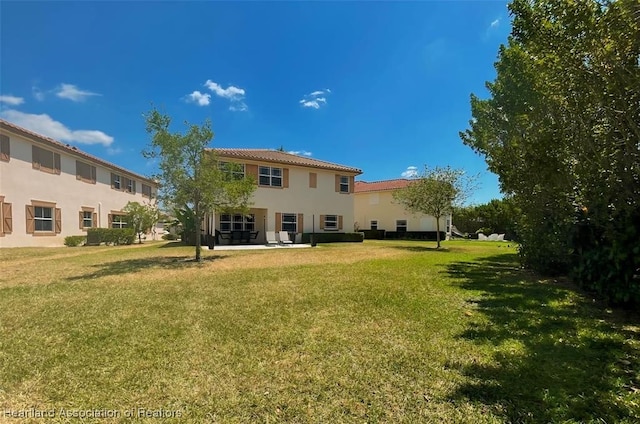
(344, 184)
(85, 172)
(146, 190)
(45, 160)
(5, 148)
(236, 170)
(130, 185)
(116, 181)
(270, 176)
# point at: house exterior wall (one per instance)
(307, 196)
(380, 206)
(22, 186)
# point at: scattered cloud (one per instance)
(37, 93)
(300, 152)
(315, 99)
(73, 93)
(495, 23)
(234, 94)
(201, 99)
(45, 125)
(411, 172)
(114, 151)
(11, 100)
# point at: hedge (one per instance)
(115, 236)
(415, 235)
(74, 241)
(373, 234)
(333, 237)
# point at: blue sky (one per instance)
(382, 86)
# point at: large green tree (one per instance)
(190, 173)
(435, 192)
(561, 129)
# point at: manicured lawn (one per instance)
(371, 332)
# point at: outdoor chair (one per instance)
(284, 238)
(271, 238)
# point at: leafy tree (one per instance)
(436, 192)
(141, 218)
(190, 174)
(561, 129)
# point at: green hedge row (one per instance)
(333, 237)
(74, 241)
(115, 236)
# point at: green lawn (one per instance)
(355, 332)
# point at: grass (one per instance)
(355, 332)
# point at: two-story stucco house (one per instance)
(375, 209)
(295, 193)
(50, 190)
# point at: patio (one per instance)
(257, 246)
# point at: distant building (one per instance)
(50, 190)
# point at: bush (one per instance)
(333, 237)
(74, 241)
(373, 234)
(169, 236)
(115, 236)
(415, 235)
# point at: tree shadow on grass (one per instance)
(556, 355)
(420, 249)
(130, 266)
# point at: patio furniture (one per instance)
(284, 238)
(271, 238)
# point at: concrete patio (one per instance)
(257, 246)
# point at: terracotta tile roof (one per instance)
(74, 151)
(276, 156)
(363, 186)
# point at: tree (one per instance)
(141, 218)
(561, 129)
(190, 174)
(436, 192)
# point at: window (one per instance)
(146, 190)
(374, 224)
(401, 225)
(6, 217)
(85, 172)
(290, 222)
(116, 182)
(45, 160)
(88, 218)
(237, 222)
(330, 222)
(43, 218)
(129, 186)
(269, 176)
(118, 221)
(5, 148)
(344, 184)
(236, 170)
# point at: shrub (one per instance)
(115, 236)
(333, 237)
(373, 234)
(415, 235)
(169, 236)
(74, 241)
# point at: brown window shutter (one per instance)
(300, 222)
(81, 219)
(109, 220)
(113, 180)
(7, 218)
(285, 177)
(278, 221)
(94, 223)
(251, 171)
(58, 221)
(337, 183)
(339, 222)
(313, 180)
(31, 223)
(4, 148)
(352, 181)
(35, 157)
(56, 163)
(322, 217)
(93, 174)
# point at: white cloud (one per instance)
(114, 150)
(300, 152)
(73, 93)
(411, 172)
(45, 125)
(314, 99)
(234, 94)
(495, 23)
(11, 100)
(37, 93)
(202, 99)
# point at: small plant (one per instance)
(74, 241)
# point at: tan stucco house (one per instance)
(297, 194)
(375, 209)
(50, 190)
